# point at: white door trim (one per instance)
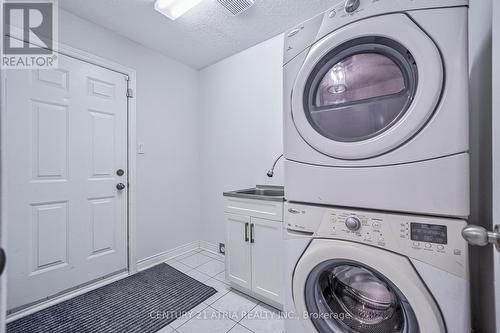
(3, 227)
(132, 141)
(496, 154)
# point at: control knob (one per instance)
(353, 223)
(351, 5)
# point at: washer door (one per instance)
(359, 95)
(348, 287)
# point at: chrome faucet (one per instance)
(270, 173)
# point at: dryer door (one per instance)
(367, 88)
(349, 287)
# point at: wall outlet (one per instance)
(222, 248)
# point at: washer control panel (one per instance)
(354, 225)
(437, 241)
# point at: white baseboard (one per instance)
(207, 246)
(212, 248)
(167, 255)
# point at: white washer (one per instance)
(362, 271)
(376, 107)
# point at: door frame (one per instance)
(3, 228)
(131, 75)
(495, 108)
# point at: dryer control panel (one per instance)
(436, 241)
(345, 12)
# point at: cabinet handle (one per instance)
(246, 232)
(252, 233)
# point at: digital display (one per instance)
(429, 233)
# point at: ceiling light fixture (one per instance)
(173, 9)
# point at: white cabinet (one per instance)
(238, 271)
(267, 258)
(254, 245)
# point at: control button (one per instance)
(416, 243)
(352, 223)
(293, 32)
(332, 14)
(376, 225)
(440, 247)
(351, 5)
(428, 245)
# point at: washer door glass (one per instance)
(348, 297)
(360, 89)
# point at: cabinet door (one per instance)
(267, 259)
(238, 269)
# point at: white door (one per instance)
(496, 152)
(238, 269)
(267, 258)
(66, 137)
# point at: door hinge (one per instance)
(130, 93)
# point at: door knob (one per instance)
(476, 235)
(120, 186)
(3, 260)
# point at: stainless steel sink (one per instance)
(260, 192)
(264, 192)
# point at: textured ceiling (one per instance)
(205, 34)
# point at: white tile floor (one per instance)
(226, 311)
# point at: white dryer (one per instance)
(376, 107)
(360, 271)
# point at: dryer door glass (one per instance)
(348, 297)
(360, 89)
(358, 78)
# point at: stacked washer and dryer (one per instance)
(377, 168)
